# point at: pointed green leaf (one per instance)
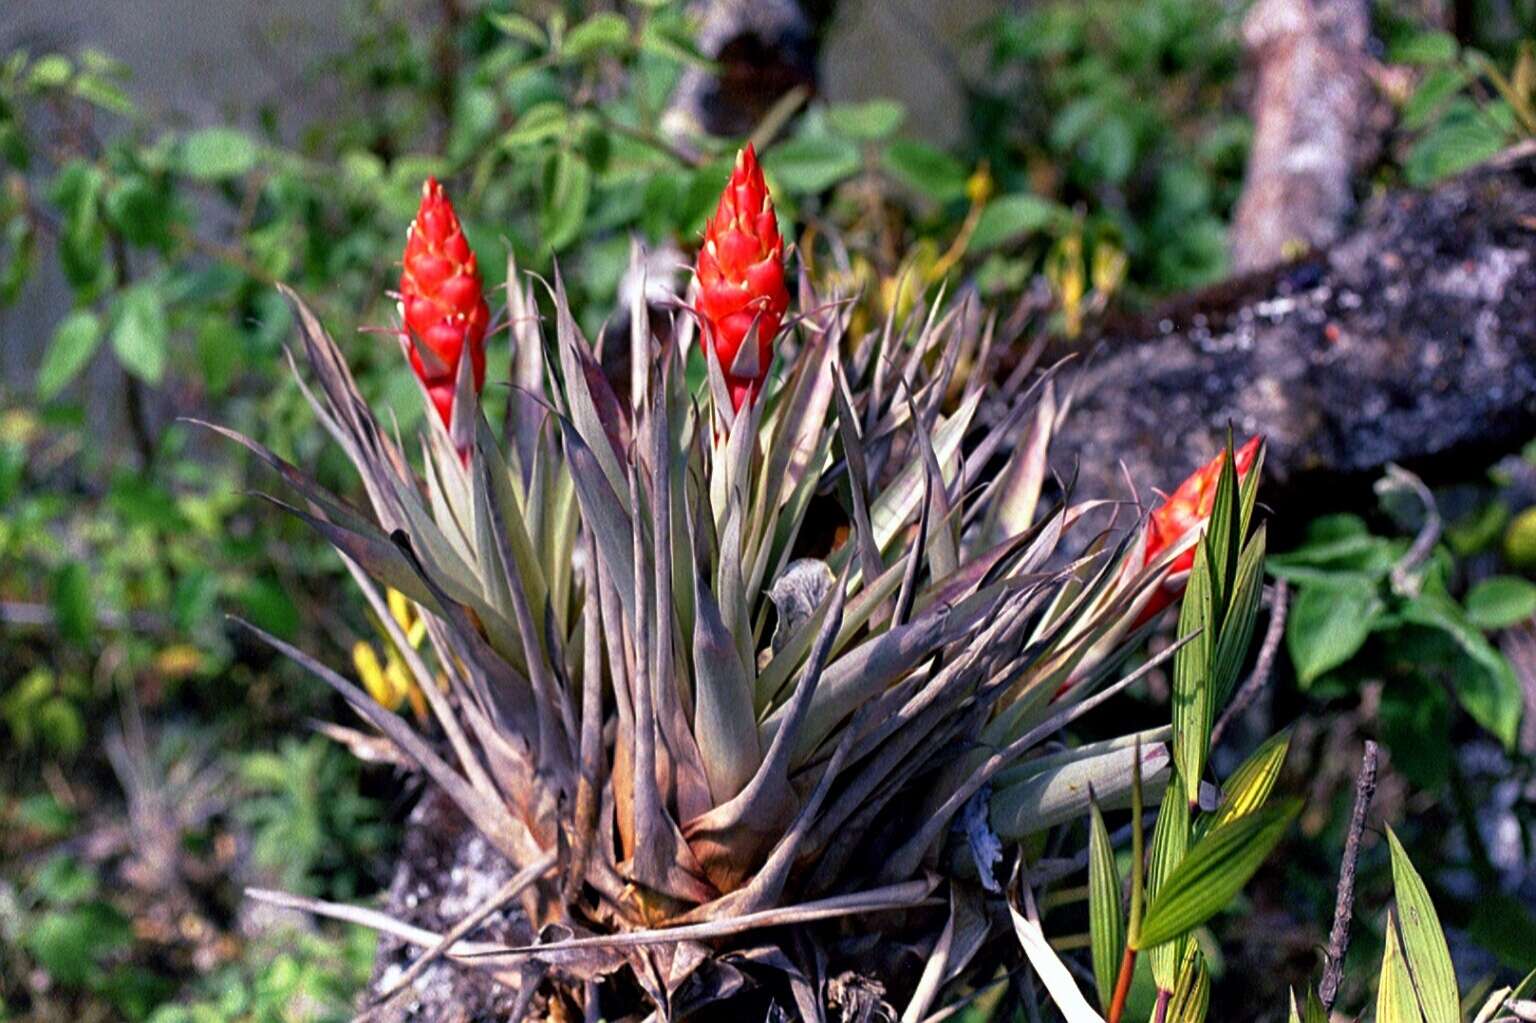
(1251, 784)
(1106, 925)
(1170, 843)
(1213, 872)
(1237, 628)
(1428, 958)
(1192, 676)
(75, 340)
(1221, 532)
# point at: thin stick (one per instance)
(503, 895)
(896, 896)
(1343, 910)
(1279, 601)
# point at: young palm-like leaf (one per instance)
(1211, 873)
(1106, 924)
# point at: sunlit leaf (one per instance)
(1424, 948)
(1252, 782)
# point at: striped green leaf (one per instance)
(1192, 995)
(1192, 676)
(1213, 872)
(1106, 925)
(1231, 646)
(1170, 841)
(1222, 532)
(1251, 784)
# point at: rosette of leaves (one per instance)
(701, 674)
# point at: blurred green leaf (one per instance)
(602, 31)
(1505, 926)
(876, 119)
(82, 243)
(213, 154)
(1009, 218)
(567, 193)
(1110, 150)
(518, 27)
(75, 340)
(1501, 601)
(1424, 48)
(63, 881)
(265, 603)
(70, 944)
(1464, 138)
(1430, 96)
(140, 332)
(50, 71)
(139, 211)
(538, 124)
(106, 94)
(926, 169)
(806, 166)
(1485, 684)
(73, 608)
(1328, 625)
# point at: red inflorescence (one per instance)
(741, 277)
(1186, 509)
(442, 300)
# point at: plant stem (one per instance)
(1122, 985)
(1160, 1013)
(1133, 930)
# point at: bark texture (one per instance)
(1311, 106)
(1412, 340)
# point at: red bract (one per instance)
(741, 279)
(1185, 509)
(441, 299)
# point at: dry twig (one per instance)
(1343, 910)
(1279, 600)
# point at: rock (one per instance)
(1412, 340)
(445, 870)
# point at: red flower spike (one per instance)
(741, 277)
(1185, 509)
(441, 299)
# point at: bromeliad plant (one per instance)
(657, 692)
